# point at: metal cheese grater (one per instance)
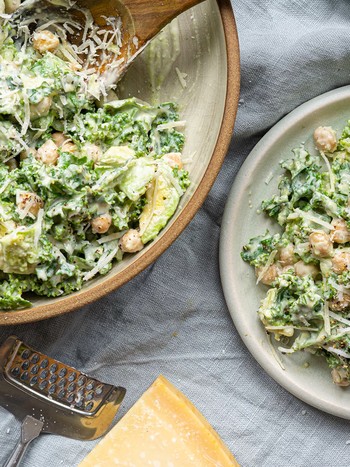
(52, 397)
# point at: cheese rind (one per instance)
(162, 429)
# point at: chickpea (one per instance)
(173, 159)
(321, 244)
(48, 153)
(12, 5)
(36, 203)
(12, 164)
(42, 108)
(341, 261)
(101, 224)
(58, 138)
(64, 143)
(287, 255)
(92, 151)
(340, 304)
(269, 276)
(340, 377)
(341, 233)
(68, 146)
(26, 152)
(325, 139)
(131, 241)
(302, 269)
(45, 41)
(2, 7)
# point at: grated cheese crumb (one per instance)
(182, 77)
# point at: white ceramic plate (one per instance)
(305, 376)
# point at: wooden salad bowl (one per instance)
(201, 73)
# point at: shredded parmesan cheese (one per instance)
(26, 122)
(339, 318)
(110, 238)
(285, 350)
(182, 77)
(339, 352)
(342, 332)
(330, 172)
(274, 353)
(340, 288)
(102, 262)
(5, 185)
(326, 314)
(171, 125)
(25, 211)
(38, 227)
(267, 265)
(172, 180)
(310, 217)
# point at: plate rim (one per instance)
(227, 231)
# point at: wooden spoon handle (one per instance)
(149, 17)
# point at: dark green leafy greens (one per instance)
(69, 163)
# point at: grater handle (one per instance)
(31, 429)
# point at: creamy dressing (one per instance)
(307, 265)
(76, 168)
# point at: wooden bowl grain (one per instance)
(204, 45)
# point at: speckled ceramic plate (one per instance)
(195, 63)
(305, 376)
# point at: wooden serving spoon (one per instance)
(141, 20)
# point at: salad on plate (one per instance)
(307, 264)
(84, 177)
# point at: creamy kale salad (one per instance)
(307, 265)
(84, 177)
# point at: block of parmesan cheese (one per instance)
(163, 429)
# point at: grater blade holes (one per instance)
(44, 363)
(35, 358)
(35, 369)
(56, 381)
(33, 381)
(62, 373)
(72, 377)
(53, 368)
(26, 354)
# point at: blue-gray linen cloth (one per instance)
(172, 318)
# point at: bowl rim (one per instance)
(85, 297)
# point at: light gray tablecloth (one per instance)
(172, 318)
